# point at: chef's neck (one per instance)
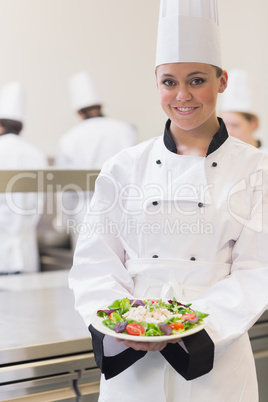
(195, 141)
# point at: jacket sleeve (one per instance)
(193, 360)
(113, 364)
(98, 275)
(236, 302)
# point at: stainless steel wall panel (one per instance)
(261, 361)
(48, 180)
(42, 368)
(39, 386)
(89, 392)
(21, 354)
(61, 395)
(88, 376)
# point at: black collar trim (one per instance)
(218, 139)
(259, 144)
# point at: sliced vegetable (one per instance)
(153, 301)
(176, 325)
(135, 329)
(115, 317)
(189, 317)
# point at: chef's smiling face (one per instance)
(188, 93)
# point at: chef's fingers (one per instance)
(146, 346)
(175, 340)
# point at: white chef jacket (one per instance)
(164, 225)
(90, 143)
(263, 149)
(87, 146)
(19, 214)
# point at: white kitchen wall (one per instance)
(43, 42)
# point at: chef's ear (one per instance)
(223, 81)
(254, 121)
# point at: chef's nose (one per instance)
(183, 94)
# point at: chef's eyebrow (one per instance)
(196, 73)
(189, 75)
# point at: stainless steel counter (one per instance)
(45, 346)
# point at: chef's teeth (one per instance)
(185, 109)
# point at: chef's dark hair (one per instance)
(91, 111)
(219, 71)
(250, 117)
(11, 126)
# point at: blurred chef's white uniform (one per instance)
(88, 145)
(18, 211)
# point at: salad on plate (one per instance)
(150, 318)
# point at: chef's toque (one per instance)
(188, 31)
(82, 91)
(237, 96)
(11, 102)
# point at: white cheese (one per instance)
(156, 316)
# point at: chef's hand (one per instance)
(147, 346)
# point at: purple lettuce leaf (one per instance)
(196, 319)
(136, 303)
(165, 328)
(180, 304)
(120, 326)
(108, 312)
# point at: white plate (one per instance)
(99, 326)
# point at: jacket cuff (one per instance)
(111, 366)
(199, 359)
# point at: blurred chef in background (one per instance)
(87, 146)
(237, 109)
(18, 211)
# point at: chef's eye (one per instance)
(197, 81)
(169, 83)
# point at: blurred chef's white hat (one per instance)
(82, 91)
(12, 101)
(237, 96)
(188, 31)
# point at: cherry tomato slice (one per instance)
(114, 316)
(153, 300)
(176, 325)
(135, 329)
(189, 316)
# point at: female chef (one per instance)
(184, 215)
(237, 110)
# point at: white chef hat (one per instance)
(82, 91)
(188, 31)
(237, 96)
(11, 101)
